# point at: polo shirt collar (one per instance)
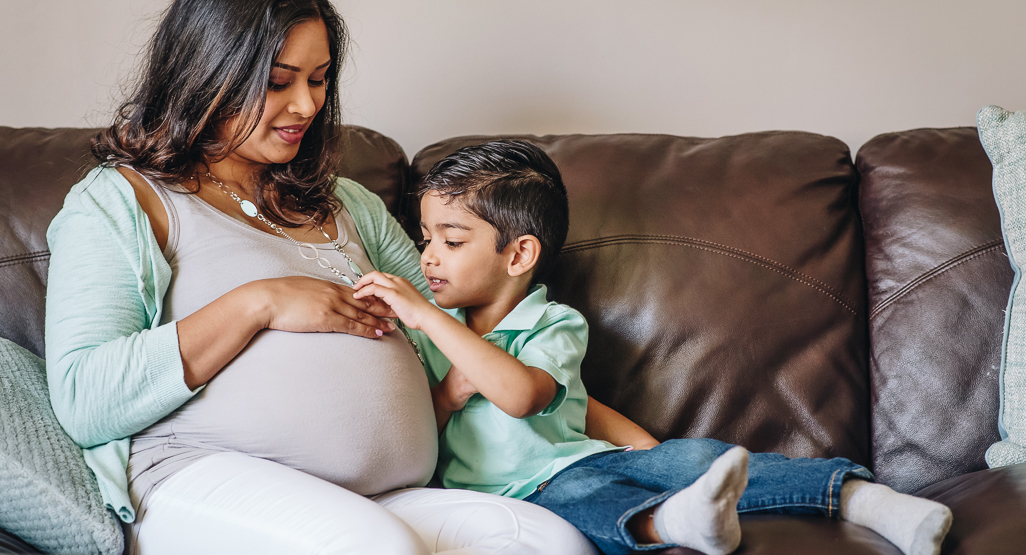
(528, 313)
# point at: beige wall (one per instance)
(423, 70)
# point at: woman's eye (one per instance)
(276, 86)
(316, 83)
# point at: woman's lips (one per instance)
(291, 134)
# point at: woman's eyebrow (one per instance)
(294, 68)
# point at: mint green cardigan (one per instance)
(112, 369)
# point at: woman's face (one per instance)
(295, 93)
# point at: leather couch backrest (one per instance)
(39, 166)
(723, 282)
(939, 281)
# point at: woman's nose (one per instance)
(302, 102)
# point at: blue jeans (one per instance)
(600, 493)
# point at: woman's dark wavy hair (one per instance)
(514, 186)
(208, 62)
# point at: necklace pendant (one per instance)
(348, 281)
(249, 208)
(355, 268)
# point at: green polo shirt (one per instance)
(485, 449)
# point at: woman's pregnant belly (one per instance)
(353, 411)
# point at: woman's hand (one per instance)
(398, 293)
(304, 304)
(210, 337)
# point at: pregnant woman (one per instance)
(182, 269)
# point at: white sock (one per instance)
(915, 525)
(703, 516)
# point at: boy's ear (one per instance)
(523, 255)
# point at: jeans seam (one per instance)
(830, 494)
(779, 505)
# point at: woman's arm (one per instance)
(602, 422)
(111, 370)
(209, 338)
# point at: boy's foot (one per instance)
(915, 525)
(703, 516)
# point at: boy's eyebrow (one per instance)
(447, 225)
(294, 68)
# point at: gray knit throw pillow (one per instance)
(48, 496)
(1003, 135)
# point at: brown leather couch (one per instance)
(762, 289)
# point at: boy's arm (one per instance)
(517, 389)
(602, 422)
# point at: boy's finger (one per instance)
(372, 290)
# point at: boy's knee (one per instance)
(696, 449)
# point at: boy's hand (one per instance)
(458, 390)
(406, 301)
(450, 395)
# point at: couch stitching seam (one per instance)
(22, 258)
(732, 252)
(937, 270)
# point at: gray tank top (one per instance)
(353, 411)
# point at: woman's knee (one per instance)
(389, 535)
(459, 521)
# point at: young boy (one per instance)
(510, 403)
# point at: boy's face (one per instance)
(459, 259)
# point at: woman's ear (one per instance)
(523, 255)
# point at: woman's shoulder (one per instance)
(102, 198)
(103, 187)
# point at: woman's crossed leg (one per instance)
(234, 503)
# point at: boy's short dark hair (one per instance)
(512, 185)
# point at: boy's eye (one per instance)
(453, 244)
(422, 243)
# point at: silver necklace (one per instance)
(250, 210)
(306, 250)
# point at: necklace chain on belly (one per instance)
(250, 210)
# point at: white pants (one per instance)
(234, 503)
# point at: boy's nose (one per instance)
(427, 258)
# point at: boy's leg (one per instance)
(916, 525)
(600, 494)
(781, 485)
(703, 516)
(839, 488)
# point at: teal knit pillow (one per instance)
(1003, 135)
(48, 496)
